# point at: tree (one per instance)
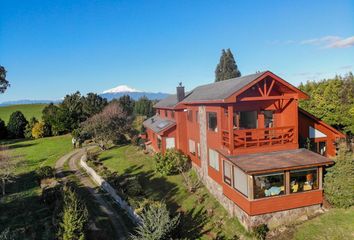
(3, 130)
(339, 179)
(107, 127)
(157, 224)
(55, 119)
(29, 127)
(8, 166)
(71, 107)
(92, 104)
(226, 68)
(75, 217)
(127, 103)
(38, 130)
(331, 100)
(17, 125)
(4, 84)
(144, 107)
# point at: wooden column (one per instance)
(230, 110)
(250, 187)
(287, 182)
(320, 178)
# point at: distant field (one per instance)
(29, 110)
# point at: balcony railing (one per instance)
(260, 137)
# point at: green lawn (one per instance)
(336, 224)
(29, 110)
(203, 216)
(21, 208)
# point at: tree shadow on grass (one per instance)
(22, 182)
(21, 145)
(192, 224)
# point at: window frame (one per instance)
(232, 173)
(216, 168)
(283, 173)
(216, 121)
(304, 170)
(191, 142)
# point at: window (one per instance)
(190, 115)
(268, 119)
(318, 147)
(227, 173)
(165, 113)
(214, 159)
(248, 120)
(198, 148)
(191, 146)
(212, 121)
(240, 181)
(303, 180)
(196, 116)
(173, 114)
(170, 142)
(268, 185)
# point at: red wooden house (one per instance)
(243, 136)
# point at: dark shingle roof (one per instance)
(158, 124)
(213, 91)
(274, 161)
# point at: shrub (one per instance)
(339, 180)
(51, 194)
(38, 130)
(172, 162)
(261, 231)
(17, 124)
(3, 130)
(45, 172)
(133, 187)
(156, 223)
(74, 218)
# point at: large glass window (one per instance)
(268, 119)
(248, 120)
(227, 173)
(214, 159)
(212, 121)
(240, 181)
(268, 185)
(303, 180)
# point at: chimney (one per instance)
(180, 92)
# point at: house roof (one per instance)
(278, 161)
(210, 92)
(158, 124)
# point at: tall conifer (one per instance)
(227, 67)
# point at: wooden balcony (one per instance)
(258, 138)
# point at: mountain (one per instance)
(121, 90)
(110, 94)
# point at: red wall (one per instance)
(305, 122)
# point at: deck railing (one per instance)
(260, 137)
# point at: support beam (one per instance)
(271, 87)
(287, 182)
(250, 187)
(320, 177)
(264, 98)
(230, 110)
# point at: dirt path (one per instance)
(73, 159)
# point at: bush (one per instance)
(29, 127)
(45, 172)
(156, 223)
(261, 231)
(133, 187)
(339, 180)
(3, 130)
(172, 162)
(17, 125)
(51, 194)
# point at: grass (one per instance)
(336, 224)
(29, 110)
(21, 208)
(203, 217)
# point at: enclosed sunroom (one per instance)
(270, 182)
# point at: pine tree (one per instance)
(17, 125)
(227, 68)
(75, 217)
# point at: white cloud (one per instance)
(330, 42)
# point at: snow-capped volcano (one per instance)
(121, 89)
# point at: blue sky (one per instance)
(51, 48)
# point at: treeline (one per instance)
(69, 115)
(332, 100)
